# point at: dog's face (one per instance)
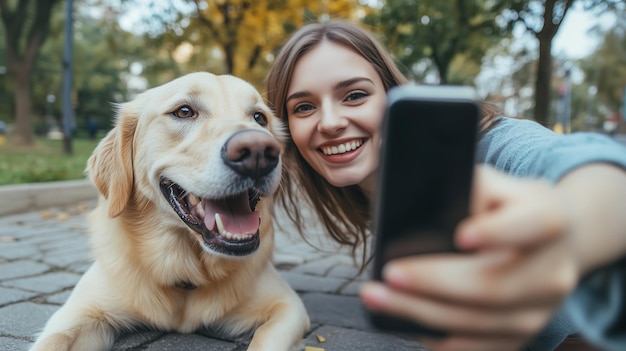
(203, 149)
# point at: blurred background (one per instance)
(560, 62)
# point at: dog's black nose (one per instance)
(251, 153)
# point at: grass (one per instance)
(43, 162)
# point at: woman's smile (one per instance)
(342, 148)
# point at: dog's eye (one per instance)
(184, 112)
(260, 118)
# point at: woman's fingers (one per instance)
(458, 320)
(506, 278)
(511, 212)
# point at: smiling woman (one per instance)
(335, 91)
(329, 84)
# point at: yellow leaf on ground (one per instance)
(46, 215)
(63, 216)
(320, 338)
(313, 348)
(82, 207)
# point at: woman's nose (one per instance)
(331, 121)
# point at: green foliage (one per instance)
(226, 36)
(101, 58)
(606, 68)
(43, 162)
(446, 36)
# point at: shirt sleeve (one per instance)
(525, 148)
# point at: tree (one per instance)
(543, 19)
(606, 68)
(26, 26)
(441, 31)
(236, 37)
(103, 55)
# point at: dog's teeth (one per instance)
(219, 224)
(193, 200)
(228, 235)
(200, 210)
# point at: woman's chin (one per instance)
(346, 178)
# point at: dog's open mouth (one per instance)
(229, 226)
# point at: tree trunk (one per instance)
(543, 81)
(21, 58)
(23, 133)
(553, 15)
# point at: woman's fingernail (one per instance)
(375, 296)
(468, 237)
(396, 276)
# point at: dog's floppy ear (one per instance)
(110, 166)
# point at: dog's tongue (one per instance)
(235, 213)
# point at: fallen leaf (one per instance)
(82, 207)
(313, 348)
(46, 215)
(320, 338)
(62, 216)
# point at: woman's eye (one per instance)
(356, 95)
(184, 112)
(260, 118)
(303, 108)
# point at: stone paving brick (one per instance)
(58, 298)
(305, 282)
(319, 267)
(190, 342)
(11, 344)
(47, 283)
(80, 266)
(22, 268)
(352, 288)
(337, 310)
(9, 295)
(343, 271)
(24, 319)
(344, 339)
(132, 341)
(12, 251)
(66, 244)
(68, 258)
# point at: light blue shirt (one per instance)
(597, 309)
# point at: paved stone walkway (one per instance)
(44, 253)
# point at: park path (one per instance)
(44, 253)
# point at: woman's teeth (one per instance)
(342, 148)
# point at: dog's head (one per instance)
(203, 149)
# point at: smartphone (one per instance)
(429, 136)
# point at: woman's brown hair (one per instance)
(343, 211)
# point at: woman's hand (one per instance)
(518, 266)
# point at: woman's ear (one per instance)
(110, 166)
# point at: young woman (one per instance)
(546, 222)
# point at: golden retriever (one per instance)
(182, 235)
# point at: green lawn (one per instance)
(44, 161)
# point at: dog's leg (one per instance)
(284, 329)
(71, 330)
(287, 319)
(82, 324)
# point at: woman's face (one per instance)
(335, 105)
